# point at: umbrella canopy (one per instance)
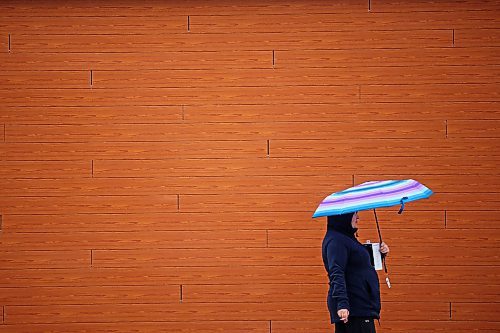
(371, 195)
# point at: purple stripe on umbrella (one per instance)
(353, 203)
(354, 192)
(373, 195)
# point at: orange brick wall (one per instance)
(161, 160)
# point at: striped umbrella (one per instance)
(371, 195)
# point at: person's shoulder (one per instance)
(339, 238)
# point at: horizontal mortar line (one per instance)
(98, 106)
(309, 229)
(216, 194)
(170, 249)
(211, 51)
(187, 321)
(151, 267)
(173, 284)
(281, 229)
(402, 137)
(293, 156)
(183, 33)
(210, 284)
(372, 174)
(215, 177)
(199, 192)
(211, 212)
(338, 13)
(208, 86)
(235, 248)
(438, 244)
(260, 122)
(210, 266)
(243, 320)
(321, 157)
(433, 66)
(72, 177)
(260, 104)
(91, 107)
(201, 122)
(222, 229)
(280, 49)
(451, 136)
(165, 230)
(399, 156)
(248, 69)
(188, 213)
(219, 66)
(420, 84)
(237, 32)
(76, 268)
(247, 31)
(199, 87)
(384, 138)
(7, 159)
(215, 51)
(161, 141)
(152, 321)
(400, 102)
(367, 96)
(201, 267)
(217, 229)
(213, 229)
(156, 69)
(176, 301)
(238, 14)
(231, 247)
(364, 101)
(342, 13)
(434, 11)
(292, 175)
(242, 69)
(47, 178)
(187, 266)
(271, 122)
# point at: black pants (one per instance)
(356, 325)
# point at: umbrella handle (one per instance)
(378, 228)
(380, 239)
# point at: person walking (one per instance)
(354, 295)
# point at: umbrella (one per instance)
(372, 195)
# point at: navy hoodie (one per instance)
(354, 283)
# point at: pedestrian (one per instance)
(354, 294)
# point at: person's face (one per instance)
(354, 221)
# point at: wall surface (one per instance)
(161, 160)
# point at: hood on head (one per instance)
(342, 223)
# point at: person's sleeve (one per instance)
(337, 260)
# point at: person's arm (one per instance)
(337, 260)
